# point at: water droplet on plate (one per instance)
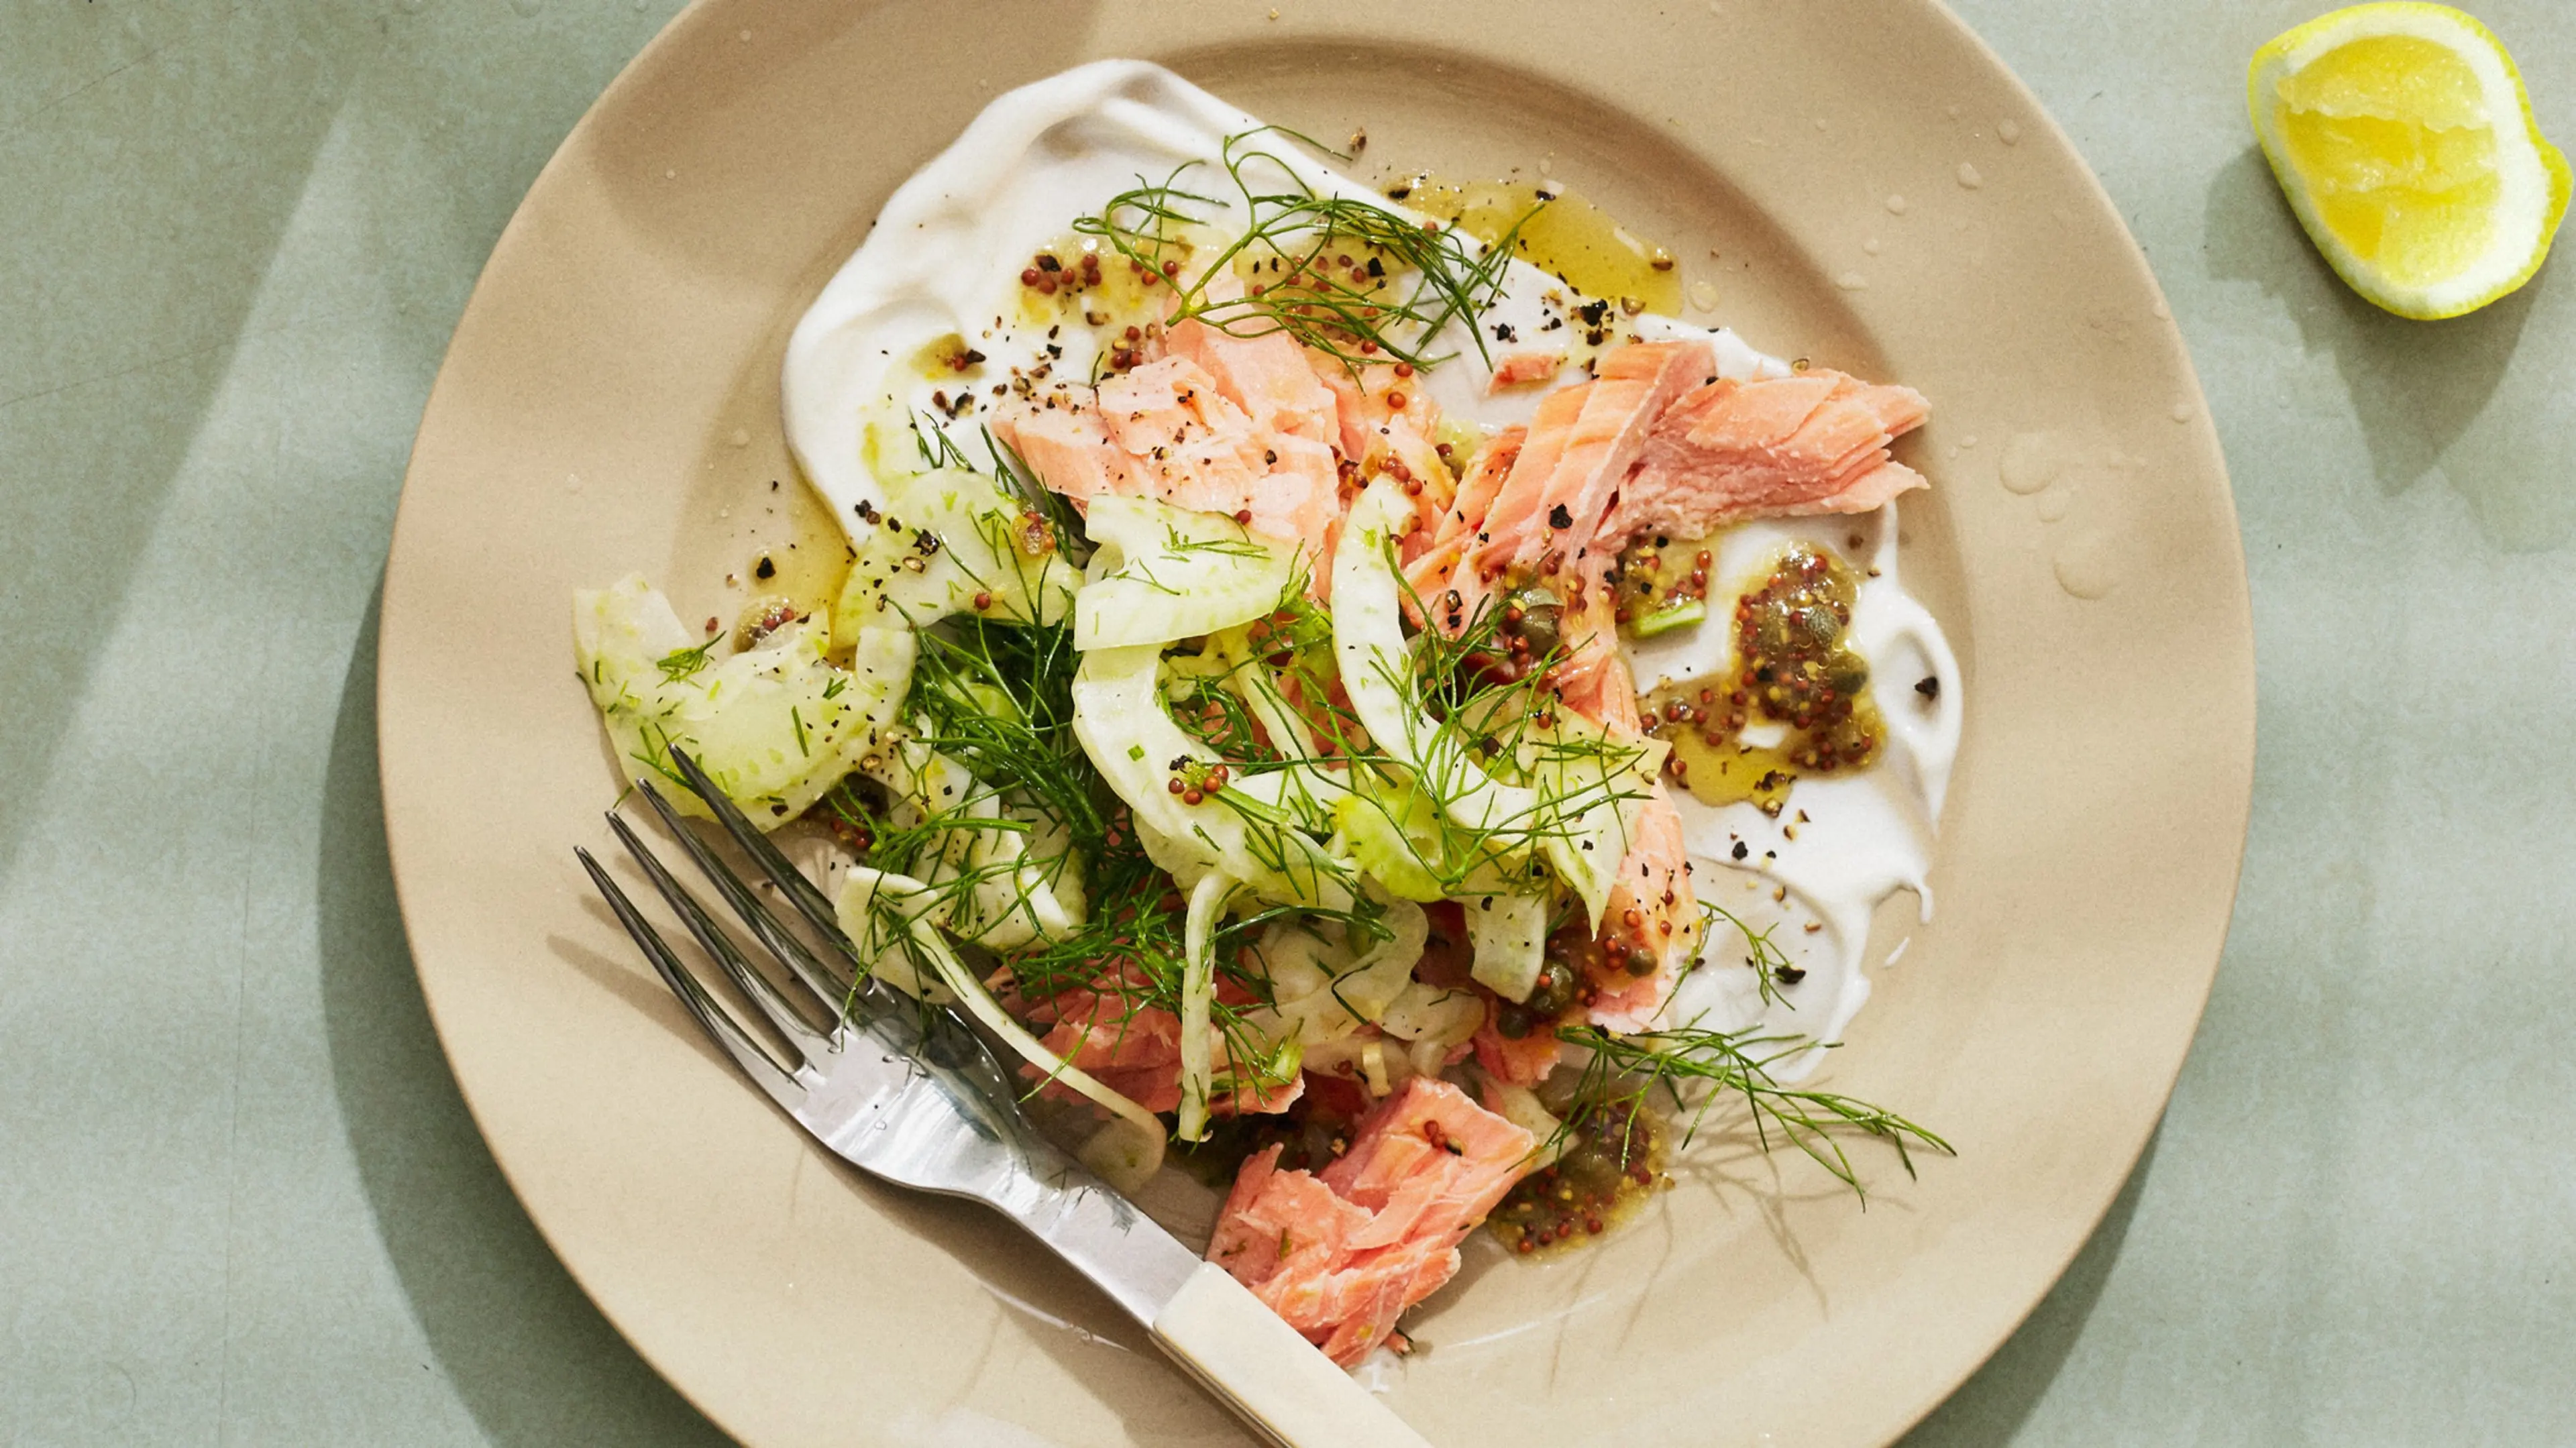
(1703, 296)
(1851, 281)
(741, 437)
(2032, 461)
(2056, 503)
(2088, 567)
(1970, 176)
(1870, 246)
(2182, 412)
(1896, 205)
(671, 175)
(2009, 133)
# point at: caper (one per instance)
(1554, 991)
(1538, 624)
(1772, 637)
(1513, 1021)
(1591, 1170)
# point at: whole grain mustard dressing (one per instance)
(1610, 1167)
(1569, 237)
(1793, 669)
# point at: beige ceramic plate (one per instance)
(1863, 184)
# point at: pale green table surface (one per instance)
(240, 1201)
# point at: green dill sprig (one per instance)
(938, 450)
(1625, 1071)
(1386, 303)
(686, 663)
(996, 698)
(1054, 508)
(1770, 965)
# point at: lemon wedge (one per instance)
(2405, 142)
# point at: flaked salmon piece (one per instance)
(1520, 369)
(1427, 1146)
(1380, 414)
(1597, 685)
(1066, 446)
(1305, 486)
(1267, 376)
(1483, 480)
(1521, 1061)
(1654, 883)
(1376, 434)
(1592, 676)
(1356, 414)
(1513, 511)
(1425, 476)
(1170, 410)
(1775, 447)
(1279, 1225)
(1165, 430)
(1557, 497)
(1340, 1254)
(1136, 1050)
(1427, 574)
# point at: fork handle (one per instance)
(1275, 1379)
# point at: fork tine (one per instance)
(710, 1014)
(791, 882)
(764, 923)
(791, 1023)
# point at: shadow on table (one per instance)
(531, 1358)
(2434, 399)
(1990, 1407)
(151, 253)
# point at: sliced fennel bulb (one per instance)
(1164, 573)
(776, 726)
(946, 539)
(1120, 719)
(1025, 881)
(1510, 935)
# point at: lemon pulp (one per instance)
(2393, 136)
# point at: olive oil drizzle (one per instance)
(1570, 238)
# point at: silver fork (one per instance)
(910, 1094)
